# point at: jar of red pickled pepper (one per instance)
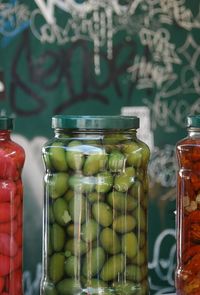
(188, 210)
(11, 202)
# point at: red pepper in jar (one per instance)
(15, 287)
(4, 265)
(18, 237)
(1, 284)
(8, 245)
(9, 227)
(11, 203)
(7, 190)
(190, 252)
(188, 211)
(8, 168)
(7, 212)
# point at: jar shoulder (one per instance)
(188, 141)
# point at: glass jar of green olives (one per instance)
(95, 209)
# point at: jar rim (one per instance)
(95, 122)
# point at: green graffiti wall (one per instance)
(102, 57)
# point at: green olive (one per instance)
(129, 245)
(104, 182)
(135, 273)
(57, 184)
(60, 211)
(90, 230)
(95, 197)
(95, 163)
(56, 267)
(123, 181)
(133, 152)
(88, 184)
(57, 235)
(141, 257)
(137, 190)
(70, 230)
(124, 223)
(74, 155)
(141, 218)
(75, 183)
(121, 201)
(76, 247)
(102, 213)
(93, 262)
(68, 287)
(130, 171)
(110, 241)
(116, 161)
(71, 266)
(82, 184)
(77, 208)
(113, 267)
(57, 156)
(68, 195)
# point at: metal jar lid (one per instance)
(193, 121)
(6, 123)
(95, 122)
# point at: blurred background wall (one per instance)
(139, 57)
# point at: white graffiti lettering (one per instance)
(91, 20)
(99, 21)
(161, 49)
(31, 287)
(162, 168)
(148, 74)
(12, 18)
(167, 112)
(189, 46)
(164, 267)
(190, 80)
(168, 11)
(82, 9)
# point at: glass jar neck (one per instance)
(194, 132)
(5, 135)
(129, 133)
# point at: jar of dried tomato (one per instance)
(188, 210)
(11, 199)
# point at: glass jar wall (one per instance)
(11, 206)
(188, 211)
(95, 207)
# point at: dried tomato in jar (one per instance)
(188, 210)
(12, 158)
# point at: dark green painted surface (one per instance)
(95, 58)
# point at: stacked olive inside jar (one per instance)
(95, 211)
